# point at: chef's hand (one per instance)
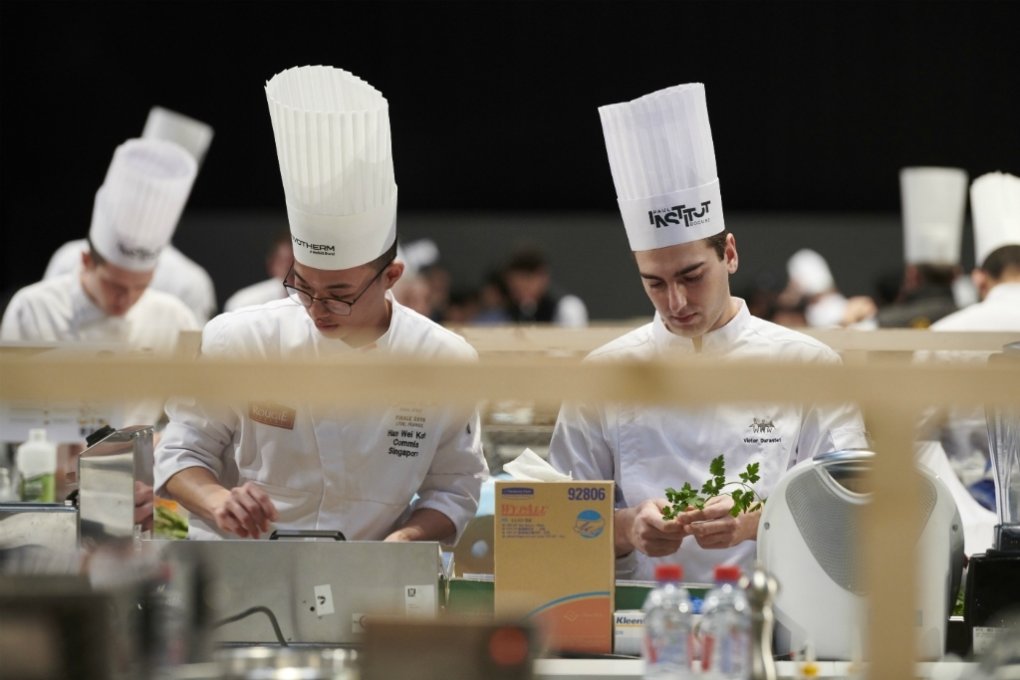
(245, 510)
(715, 527)
(143, 505)
(644, 529)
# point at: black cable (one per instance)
(255, 610)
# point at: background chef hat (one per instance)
(194, 135)
(995, 205)
(418, 255)
(333, 141)
(933, 201)
(810, 272)
(663, 164)
(138, 206)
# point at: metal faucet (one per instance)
(761, 590)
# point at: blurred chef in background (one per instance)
(109, 299)
(810, 280)
(175, 272)
(403, 472)
(279, 260)
(663, 165)
(995, 207)
(933, 200)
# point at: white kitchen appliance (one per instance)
(809, 538)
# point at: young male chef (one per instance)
(663, 165)
(110, 300)
(175, 272)
(243, 470)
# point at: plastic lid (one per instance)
(37, 435)
(727, 572)
(668, 572)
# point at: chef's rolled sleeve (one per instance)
(196, 436)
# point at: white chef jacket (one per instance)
(325, 468)
(645, 450)
(58, 310)
(256, 294)
(175, 273)
(965, 436)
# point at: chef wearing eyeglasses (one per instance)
(404, 472)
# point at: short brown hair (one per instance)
(718, 243)
(1002, 259)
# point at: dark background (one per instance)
(814, 108)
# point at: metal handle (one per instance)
(306, 533)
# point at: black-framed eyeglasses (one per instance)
(332, 305)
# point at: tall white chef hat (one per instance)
(194, 135)
(333, 142)
(995, 205)
(933, 201)
(138, 206)
(663, 164)
(810, 272)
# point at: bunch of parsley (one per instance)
(743, 496)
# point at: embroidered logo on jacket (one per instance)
(274, 415)
(762, 431)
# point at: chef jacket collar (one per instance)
(83, 310)
(382, 343)
(1003, 291)
(717, 341)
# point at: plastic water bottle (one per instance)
(726, 628)
(668, 627)
(36, 461)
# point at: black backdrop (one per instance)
(814, 105)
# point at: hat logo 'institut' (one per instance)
(664, 217)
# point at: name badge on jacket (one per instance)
(274, 415)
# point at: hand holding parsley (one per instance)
(743, 496)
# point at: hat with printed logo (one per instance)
(995, 205)
(194, 135)
(933, 202)
(663, 164)
(332, 134)
(137, 208)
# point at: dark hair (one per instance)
(941, 275)
(718, 243)
(1002, 259)
(385, 258)
(529, 259)
(97, 259)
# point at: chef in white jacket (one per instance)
(663, 165)
(995, 208)
(109, 299)
(405, 472)
(175, 272)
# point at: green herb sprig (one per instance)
(743, 497)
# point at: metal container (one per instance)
(38, 538)
(312, 592)
(307, 663)
(107, 471)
